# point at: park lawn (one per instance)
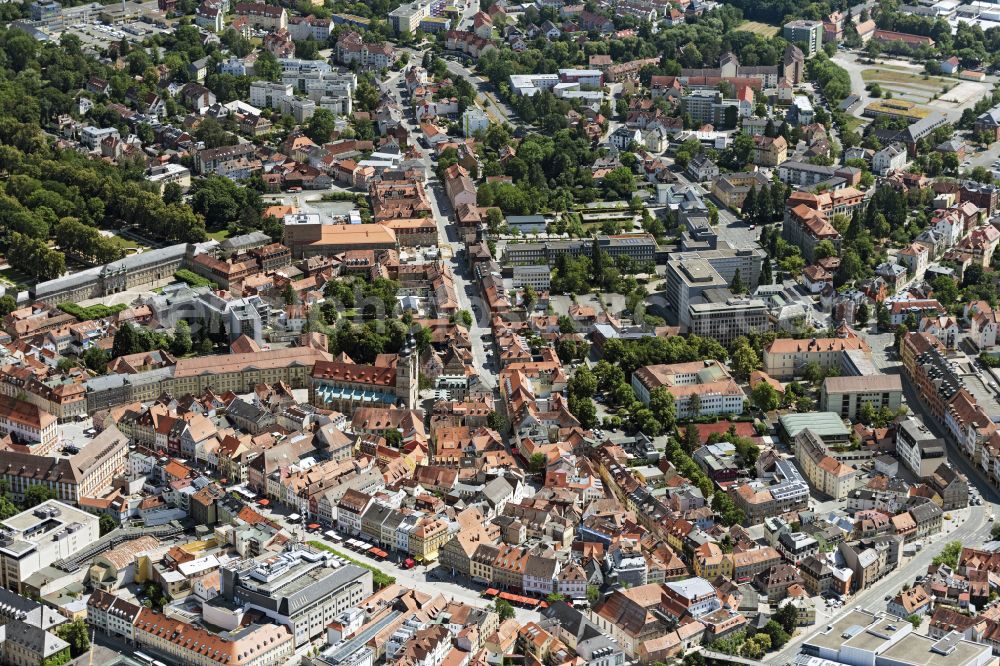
(758, 28)
(128, 243)
(220, 235)
(14, 277)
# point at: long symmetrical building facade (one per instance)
(149, 269)
(234, 372)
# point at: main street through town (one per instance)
(452, 249)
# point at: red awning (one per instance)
(491, 592)
(313, 526)
(264, 502)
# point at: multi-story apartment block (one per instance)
(641, 247)
(113, 615)
(803, 174)
(251, 645)
(260, 15)
(86, 474)
(28, 425)
(758, 500)
(827, 475)
(351, 48)
(723, 316)
(891, 158)
(407, 17)
(786, 357)
(709, 106)
(806, 227)
(770, 151)
(797, 546)
(269, 94)
(936, 383)
(538, 277)
(807, 33)
(214, 160)
(704, 276)
(310, 27)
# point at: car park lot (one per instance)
(96, 35)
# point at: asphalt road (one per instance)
(499, 111)
(451, 248)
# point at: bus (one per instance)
(144, 658)
(158, 663)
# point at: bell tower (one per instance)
(407, 378)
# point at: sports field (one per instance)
(758, 28)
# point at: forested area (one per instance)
(60, 198)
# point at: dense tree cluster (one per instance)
(629, 355)
(223, 203)
(80, 240)
(549, 173)
(374, 299)
(831, 78)
(131, 339)
(765, 204)
(363, 342)
(44, 186)
(34, 257)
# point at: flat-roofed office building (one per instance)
(36, 538)
(721, 315)
(847, 395)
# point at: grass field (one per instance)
(908, 85)
(14, 277)
(220, 235)
(854, 123)
(128, 243)
(758, 28)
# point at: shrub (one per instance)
(98, 311)
(193, 279)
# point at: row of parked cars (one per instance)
(833, 600)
